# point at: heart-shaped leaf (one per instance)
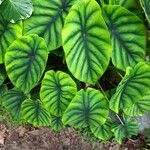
(12, 101)
(25, 61)
(87, 50)
(47, 20)
(131, 93)
(34, 113)
(88, 108)
(57, 124)
(57, 91)
(128, 36)
(13, 10)
(8, 33)
(146, 7)
(103, 132)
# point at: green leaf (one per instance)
(3, 74)
(1, 1)
(146, 7)
(25, 61)
(87, 50)
(131, 92)
(88, 108)
(13, 10)
(8, 33)
(3, 89)
(57, 124)
(57, 91)
(128, 36)
(139, 107)
(48, 19)
(127, 130)
(34, 113)
(103, 132)
(125, 3)
(12, 101)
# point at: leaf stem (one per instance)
(108, 101)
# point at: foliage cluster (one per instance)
(78, 63)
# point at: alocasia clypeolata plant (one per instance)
(88, 38)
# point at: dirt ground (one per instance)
(29, 138)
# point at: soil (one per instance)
(31, 138)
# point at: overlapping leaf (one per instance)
(125, 3)
(3, 89)
(128, 36)
(25, 61)
(146, 7)
(103, 132)
(12, 101)
(57, 124)
(57, 91)
(13, 10)
(88, 108)
(128, 129)
(8, 33)
(34, 113)
(86, 41)
(131, 93)
(48, 19)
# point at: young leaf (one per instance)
(12, 101)
(8, 33)
(103, 132)
(47, 20)
(131, 91)
(13, 10)
(57, 91)
(25, 61)
(34, 113)
(87, 50)
(57, 124)
(128, 36)
(146, 7)
(127, 130)
(88, 108)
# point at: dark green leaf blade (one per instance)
(128, 36)
(13, 10)
(47, 20)
(25, 61)
(57, 91)
(12, 101)
(146, 7)
(57, 124)
(88, 108)
(8, 33)
(87, 50)
(126, 130)
(132, 90)
(103, 132)
(34, 113)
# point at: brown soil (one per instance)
(29, 138)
